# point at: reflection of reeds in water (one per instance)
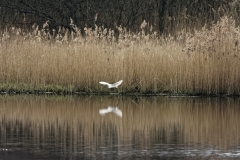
(75, 121)
(214, 121)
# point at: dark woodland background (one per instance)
(164, 16)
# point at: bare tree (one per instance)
(165, 16)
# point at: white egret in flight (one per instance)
(114, 85)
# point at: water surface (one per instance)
(70, 127)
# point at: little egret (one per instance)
(114, 85)
(111, 109)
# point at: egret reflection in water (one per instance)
(111, 109)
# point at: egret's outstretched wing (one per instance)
(117, 83)
(104, 83)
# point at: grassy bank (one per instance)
(204, 62)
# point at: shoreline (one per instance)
(166, 94)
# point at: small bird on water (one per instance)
(114, 85)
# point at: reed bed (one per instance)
(204, 62)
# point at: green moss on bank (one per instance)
(8, 88)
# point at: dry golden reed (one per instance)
(203, 62)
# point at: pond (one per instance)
(118, 127)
